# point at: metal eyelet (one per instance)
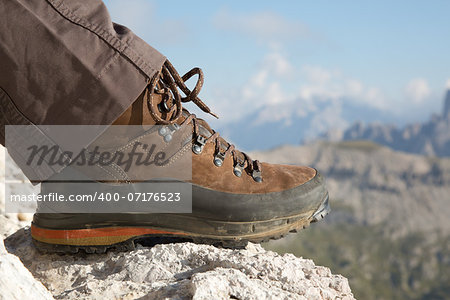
(198, 145)
(174, 127)
(167, 131)
(238, 169)
(167, 138)
(163, 131)
(256, 174)
(219, 158)
(162, 107)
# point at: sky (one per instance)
(290, 59)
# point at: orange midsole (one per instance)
(93, 236)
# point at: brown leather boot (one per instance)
(234, 199)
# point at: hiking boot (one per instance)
(234, 199)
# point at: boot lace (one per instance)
(169, 84)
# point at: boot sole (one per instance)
(125, 238)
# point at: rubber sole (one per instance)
(125, 238)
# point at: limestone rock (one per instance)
(179, 271)
(8, 225)
(16, 282)
(12, 221)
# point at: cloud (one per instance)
(263, 89)
(328, 118)
(274, 92)
(263, 26)
(322, 84)
(262, 86)
(278, 64)
(417, 90)
(318, 74)
(322, 94)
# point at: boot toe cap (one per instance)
(283, 177)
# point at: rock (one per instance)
(10, 222)
(8, 225)
(2, 179)
(179, 271)
(24, 217)
(16, 282)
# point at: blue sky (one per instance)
(288, 59)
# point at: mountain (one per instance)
(388, 231)
(431, 138)
(405, 193)
(284, 125)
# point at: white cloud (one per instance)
(264, 26)
(321, 84)
(328, 118)
(322, 93)
(263, 90)
(417, 90)
(277, 63)
(318, 74)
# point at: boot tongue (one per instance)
(204, 128)
(206, 131)
(139, 114)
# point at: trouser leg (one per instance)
(65, 62)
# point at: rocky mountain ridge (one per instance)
(403, 192)
(431, 138)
